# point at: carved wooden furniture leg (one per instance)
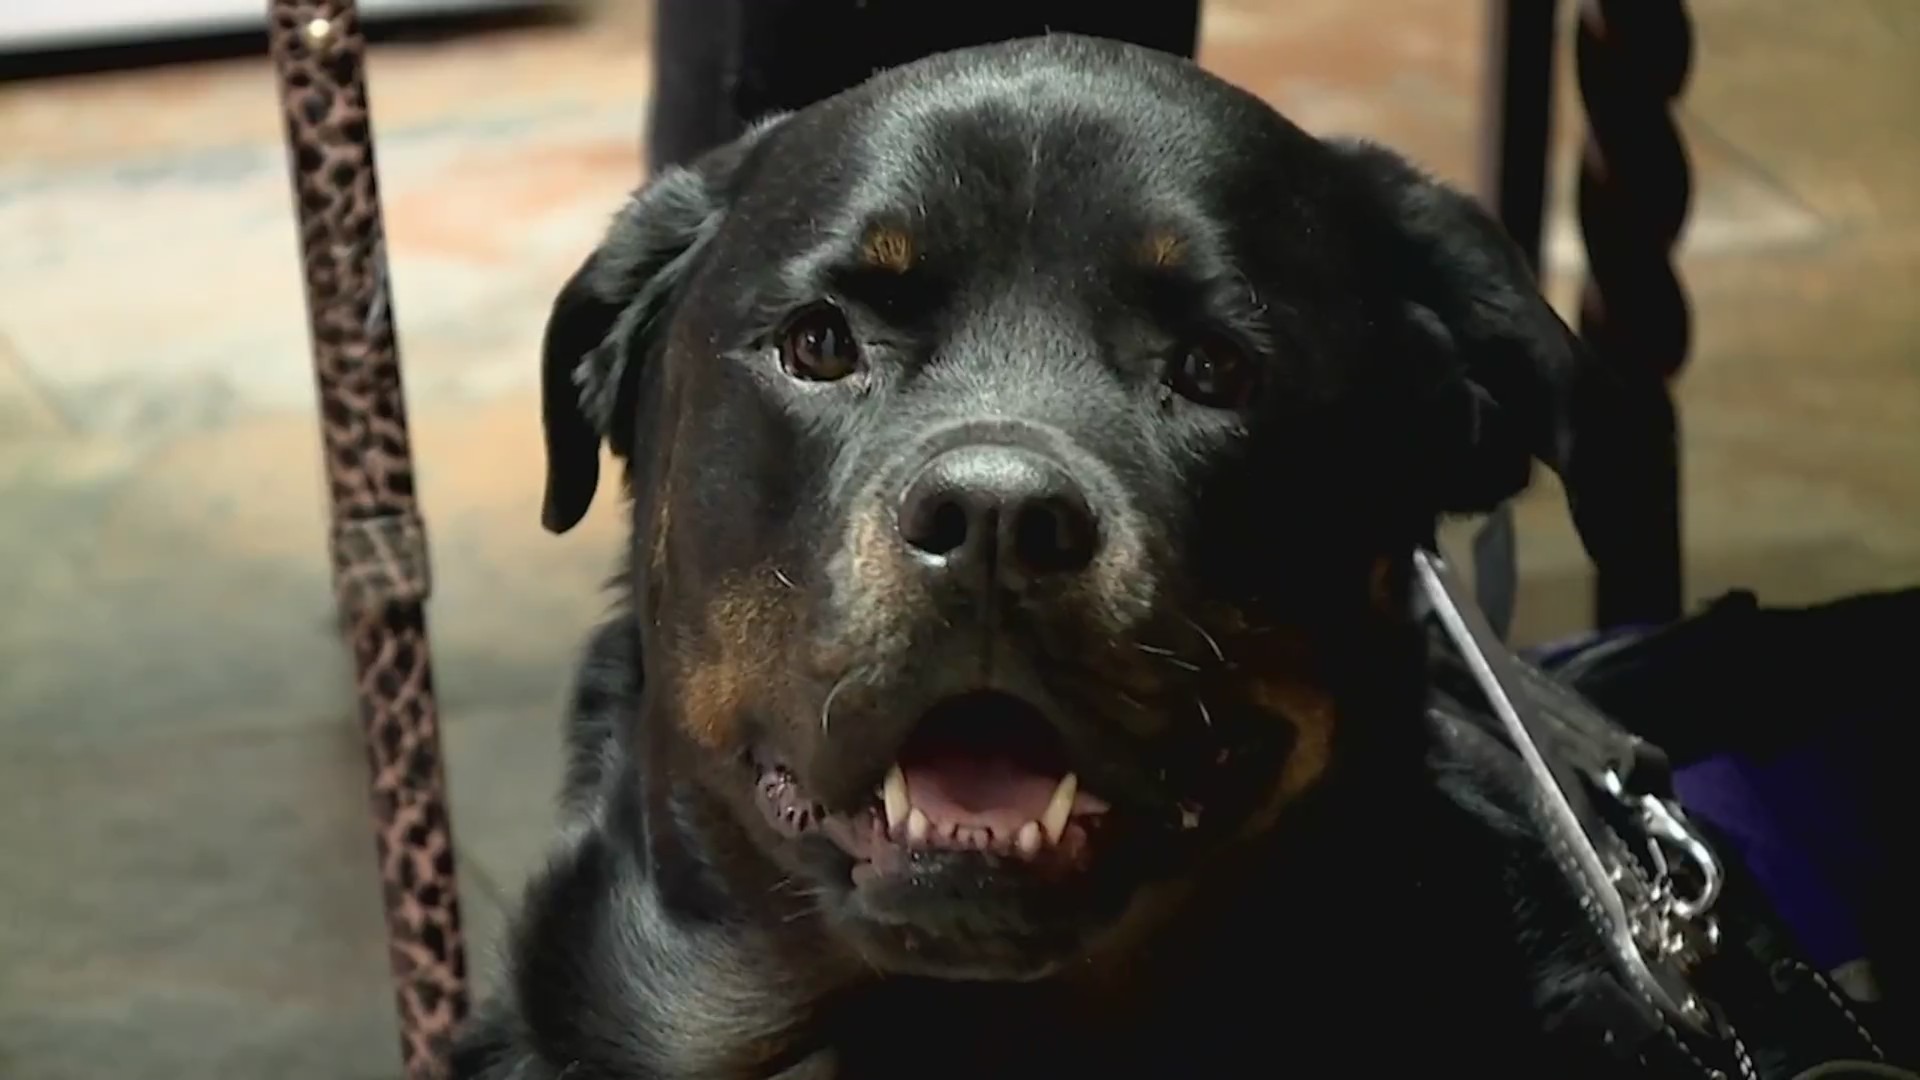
(1633, 58)
(1516, 132)
(378, 544)
(1518, 116)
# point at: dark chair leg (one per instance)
(1516, 132)
(378, 543)
(1635, 185)
(724, 63)
(1518, 110)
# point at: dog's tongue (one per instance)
(990, 762)
(965, 789)
(996, 793)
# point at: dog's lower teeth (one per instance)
(898, 818)
(1029, 839)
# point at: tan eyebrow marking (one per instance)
(1165, 249)
(888, 248)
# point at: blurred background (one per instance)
(187, 887)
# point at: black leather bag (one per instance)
(1699, 979)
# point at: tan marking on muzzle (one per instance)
(735, 662)
(888, 247)
(1282, 684)
(1164, 250)
(1310, 711)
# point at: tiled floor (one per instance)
(186, 880)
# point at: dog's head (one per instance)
(1023, 446)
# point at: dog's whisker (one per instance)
(1161, 652)
(784, 579)
(816, 898)
(1206, 716)
(1167, 655)
(1208, 638)
(826, 707)
(799, 890)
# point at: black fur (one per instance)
(1397, 919)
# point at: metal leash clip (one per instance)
(1654, 904)
(1680, 879)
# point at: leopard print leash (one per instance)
(377, 541)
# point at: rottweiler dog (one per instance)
(1016, 674)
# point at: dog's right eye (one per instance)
(818, 345)
(1213, 372)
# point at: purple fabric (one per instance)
(1553, 654)
(1798, 830)
(1792, 820)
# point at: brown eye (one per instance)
(1212, 373)
(818, 346)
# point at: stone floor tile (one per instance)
(186, 588)
(25, 410)
(206, 906)
(505, 768)
(1827, 100)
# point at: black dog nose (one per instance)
(1011, 510)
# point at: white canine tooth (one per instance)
(1028, 840)
(1054, 821)
(917, 825)
(894, 794)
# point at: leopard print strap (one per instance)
(378, 543)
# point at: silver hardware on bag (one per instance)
(1678, 924)
(1658, 924)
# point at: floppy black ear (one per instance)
(1517, 385)
(611, 315)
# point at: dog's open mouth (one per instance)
(985, 772)
(982, 772)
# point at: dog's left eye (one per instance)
(818, 345)
(1213, 373)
